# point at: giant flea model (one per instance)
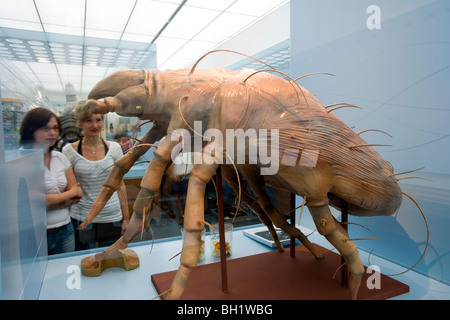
(330, 163)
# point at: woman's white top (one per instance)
(91, 175)
(56, 182)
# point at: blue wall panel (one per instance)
(400, 75)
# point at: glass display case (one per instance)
(377, 64)
(13, 113)
(23, 242)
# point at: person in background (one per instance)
(92, 159)
(40, 128)
(121, 136)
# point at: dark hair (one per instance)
(34, 120)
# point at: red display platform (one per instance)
(277, 276)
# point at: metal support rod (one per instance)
(292, 205)
(344, 220)
(223, 253)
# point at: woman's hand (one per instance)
(76, 192)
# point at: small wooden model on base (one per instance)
(126, 259)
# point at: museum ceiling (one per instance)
(55, 42)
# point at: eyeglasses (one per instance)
(48, 129)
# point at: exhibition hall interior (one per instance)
(235, 139)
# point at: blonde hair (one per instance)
(82, 113)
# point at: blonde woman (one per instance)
(91, 158)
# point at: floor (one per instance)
(63, 281)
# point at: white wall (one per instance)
(399, 74)
(267, 32)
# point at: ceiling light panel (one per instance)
(107, 15)
(43, 68)
(249, 8)
(174, 63)
(18, 11)
(94, 71)
(116, 35)
(190, 21)
(194, 49)
(69, 73)
(168, 46)
(178, 2)
(62, 16)
(134, 37)
(74, 50)
(219, 5)
(16, 24)
(149, 17)
(218, 33)
(19, 14)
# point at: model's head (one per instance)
(40, 128)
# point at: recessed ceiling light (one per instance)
(35, 43)
(93, 54)
(43, 59)
(75, 46)
(127, 51)
(18, 46)
(38, 49)
(56, 45)
(12, 40)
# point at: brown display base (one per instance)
(277, 276)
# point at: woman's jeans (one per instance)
(61, 240)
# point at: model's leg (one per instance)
(329, 227)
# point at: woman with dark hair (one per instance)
(40, 129)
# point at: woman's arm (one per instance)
(72, 194)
